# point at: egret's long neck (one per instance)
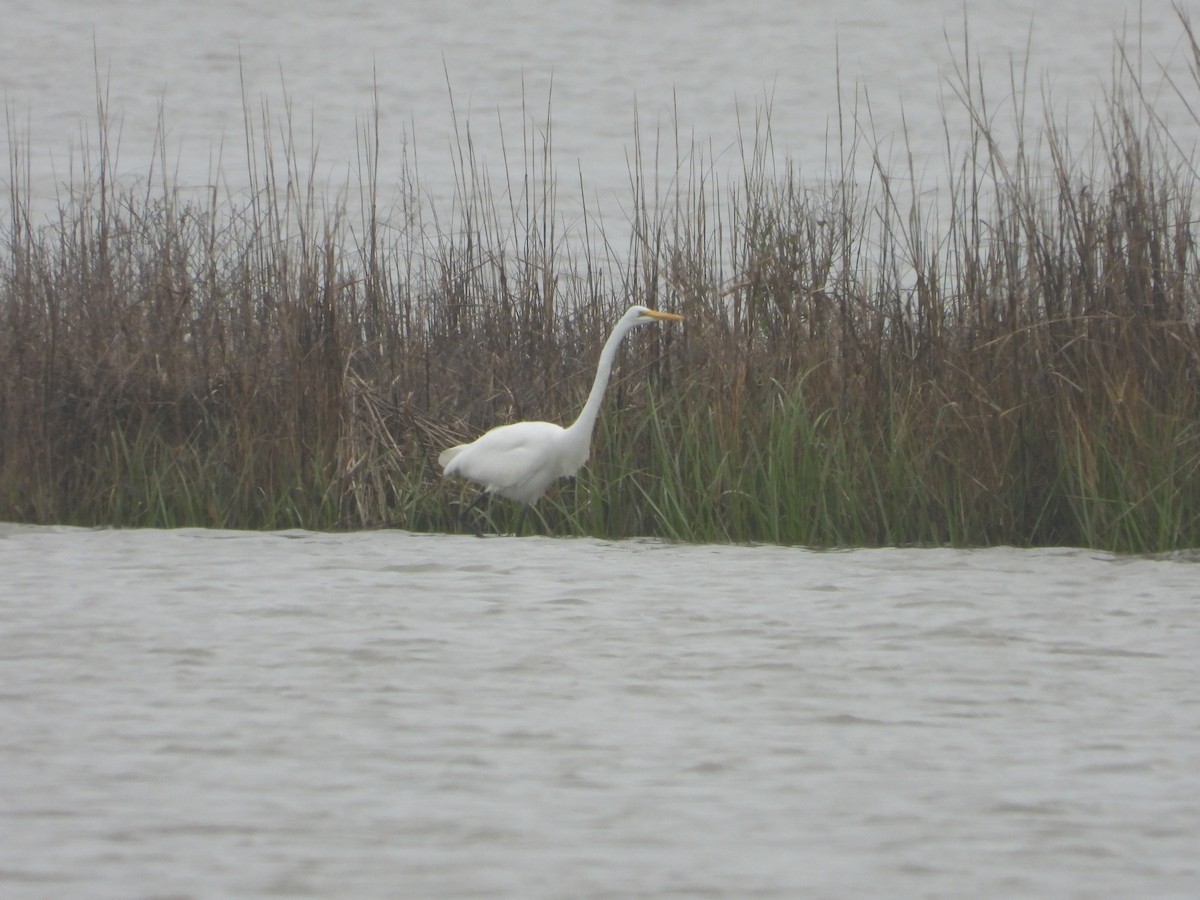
(582, 427)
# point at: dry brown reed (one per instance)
(1019, 365)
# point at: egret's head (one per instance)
(642, 314)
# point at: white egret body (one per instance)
(520, 461)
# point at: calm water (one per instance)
(596, 64)
(204, 713)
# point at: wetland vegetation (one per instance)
(1014, 359)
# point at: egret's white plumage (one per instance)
(520, 461)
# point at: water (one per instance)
(205, 713)
(700, 68)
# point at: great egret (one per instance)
(520, 461)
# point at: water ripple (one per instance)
(338, 714)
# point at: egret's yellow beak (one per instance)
(664, 316)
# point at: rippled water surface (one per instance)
(581, 69)
(205, 713)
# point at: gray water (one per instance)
(204, 713)
(696, 74)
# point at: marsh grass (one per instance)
(1015, 362)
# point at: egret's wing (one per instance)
(501, 440)
(513, 460)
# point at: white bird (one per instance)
(520, 461)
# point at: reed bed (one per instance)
(1016, 361)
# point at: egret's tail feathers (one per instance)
(447, 456)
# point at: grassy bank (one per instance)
(1016, 361)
